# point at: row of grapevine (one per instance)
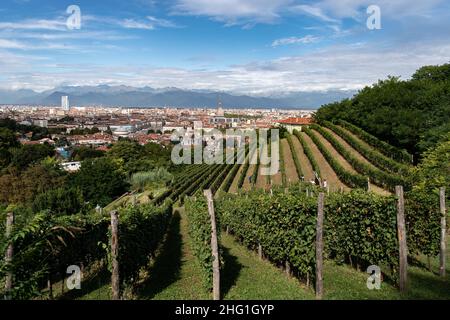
(370, 154)
(199, 222)
(350, 179)
(46, 245)
(225, 186)
(283, 225)
(245, 167)
(385, 148)
(360, 227)
(377, 176)
(197, 184)
(308, 152)
(175, 190)
(295, 157)
(282, 165)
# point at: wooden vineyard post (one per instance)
(319, 247)
(115, 280)
(9, 253)
(214, 245)
(368, 184)
(260, 254)
(401, 233)
(443, 232)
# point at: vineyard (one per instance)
(268, 221)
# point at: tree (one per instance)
(30, 154)
(100, 180)
(83, 153)
(61, 201)
(434, 170)
(126, 150)
(17, 187)
(7, 139)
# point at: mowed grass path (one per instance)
(245, 277)
(176, 275)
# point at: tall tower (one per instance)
(65, 103)
(220, 112)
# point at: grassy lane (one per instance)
(234, 185)
(261, 181)
(325, 169)
(247, 184)
(175, 274)
(343, 282)
(291, 171)
(304, 162)
(245, 277)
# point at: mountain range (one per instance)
(126, 96)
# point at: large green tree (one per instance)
(100, 180)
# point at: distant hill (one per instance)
(105, 95)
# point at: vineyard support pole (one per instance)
(443, 232)
(9, 253)
(401, 233)
(214, 245)
(115, 280)
(319, 247)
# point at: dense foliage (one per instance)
(141, 230)
(200, 233)
(360, 226)
(283, 224)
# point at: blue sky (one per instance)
(258, 47)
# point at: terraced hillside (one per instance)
(329, 152)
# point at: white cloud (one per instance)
(313, 11)
(347, 67)
(233, 11)
(12, 44)
(133, 24)
(34, 25)
(295, 40)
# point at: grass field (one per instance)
(291, 171)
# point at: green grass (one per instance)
(175, 274)
(344, 282)
(245, 277)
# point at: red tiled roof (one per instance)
(298, 121)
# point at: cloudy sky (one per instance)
(257, 47)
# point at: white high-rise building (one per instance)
(65, 103)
